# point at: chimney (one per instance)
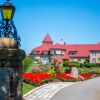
(62, 41)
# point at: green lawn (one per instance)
(27, 88)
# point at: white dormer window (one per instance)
(58, 51)
(55, 51)
(72, 52)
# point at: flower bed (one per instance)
(86, 75)
(69, 77)
(66, 77)
(36, 78)
(40, 78)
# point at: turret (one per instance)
(47, 40)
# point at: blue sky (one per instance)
(74, 21)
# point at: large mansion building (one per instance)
(48, 52)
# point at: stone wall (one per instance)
(10, 74)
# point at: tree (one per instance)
(27, 62)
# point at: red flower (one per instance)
(65, 76)
(37, 78)
(86, 75)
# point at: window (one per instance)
(71, 59)
(45, 52)
(58, 52)
(87, 60)
(72, 52)
(45, 60)
(93, 60)
(94, 53)
(79, 59)
(52, 51)
(35, 52)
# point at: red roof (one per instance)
(65, 56)
(47, 39)
(41, 48)
(57, 46)
(83, 50)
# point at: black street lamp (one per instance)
(7, 11)
(7, 27)
(10, 56)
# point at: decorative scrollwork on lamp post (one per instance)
(7, 27)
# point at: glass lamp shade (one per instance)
(7, 11)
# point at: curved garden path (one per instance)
(85, 90)
(47, 91)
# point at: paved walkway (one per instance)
(46, 92)
(85, 90)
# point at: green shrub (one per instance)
(89, 65)
(63, 69)
(65, 63)
(85, 70)
(52, 71)
(81, 65)
(27, 62)
(98, 65)
(76, 64)
(72, 64)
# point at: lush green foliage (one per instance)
(89, 70)
(71, 64)
(77, 64)
(63, 69)
(89, 65)
(27, 62)
(65, 63)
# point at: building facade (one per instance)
(48, 52)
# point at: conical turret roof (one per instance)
(47, 39)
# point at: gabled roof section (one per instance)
(58, 46)
(41, 48)
(83, 50)
(47, 38)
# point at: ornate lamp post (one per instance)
(10, 56)
(7, 27)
